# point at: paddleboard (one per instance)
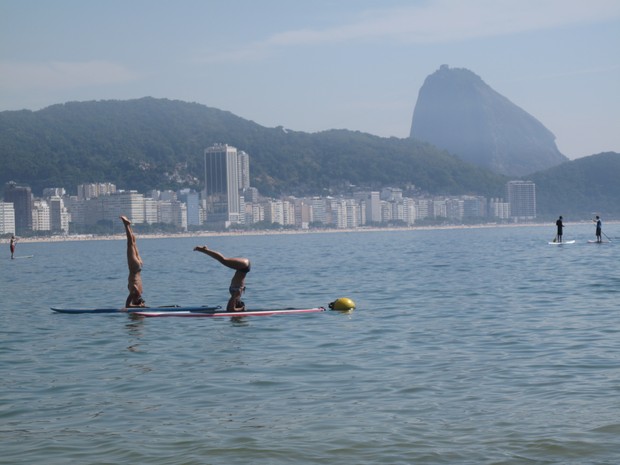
(168, 309)
(23, 256)
(211, 314)
(597, 242)
(562, 243)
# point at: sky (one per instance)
(322, 64)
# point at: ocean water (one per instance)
(468, 346)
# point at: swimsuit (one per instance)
(233, 289)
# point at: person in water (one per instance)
(237, 284)
(12, 246)
(560, 227)
(134, 262)
(599, 229)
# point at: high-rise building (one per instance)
(222, 185)
(131, 205)
(21, 198)
(244, 169)
(7, 218)
(319, 209)
(150, 210)
(474, 206)
(521, 195)
(192, 200)
(59, 215)
(372, 206)
(499, 209)
(41, 215)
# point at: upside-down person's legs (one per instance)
(134, 261)
(233, 263)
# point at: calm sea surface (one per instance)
(468, 346)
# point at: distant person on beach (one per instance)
(560, 227)
(599, 229)
(237, 284)
(134, 262)
(12, 246)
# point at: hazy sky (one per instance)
(321, 64)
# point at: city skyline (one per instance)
(98, 202)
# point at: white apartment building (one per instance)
(131, 204)
(424, 207)
(92, 190)
(455, 209)
(151, 215)
(172, 212)
(7, 218)
(499, 209)
(41, 216)
(274, 212)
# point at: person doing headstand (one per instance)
(237, 284)
(134, 262)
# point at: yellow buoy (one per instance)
(343, 303)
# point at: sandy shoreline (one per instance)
(201, 234)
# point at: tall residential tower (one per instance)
(521, 196)
(21, 198)
(221, 192)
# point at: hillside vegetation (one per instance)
(153, 143)
(158, 144)
(581, 187)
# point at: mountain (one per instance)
(159, 144)
(580, 187)
(457, 111)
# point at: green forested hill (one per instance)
(155, 143)
(581, 187)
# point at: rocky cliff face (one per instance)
(457, 111)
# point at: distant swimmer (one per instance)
(599, 229)
(13, 242)
(237, 284)
(134, 262)
(560, 227)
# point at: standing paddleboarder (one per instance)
(599, 229)
(560, 227)
(12, 246)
